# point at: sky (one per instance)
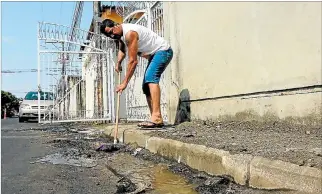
(19, 22)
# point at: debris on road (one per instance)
(136, 151)
(110, 147)
(125, 185)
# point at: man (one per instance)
(141, 41)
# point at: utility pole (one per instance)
(99, 92)
(96, 10)
(63, 73)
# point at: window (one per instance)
(43, 96)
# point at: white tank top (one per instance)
(149, 42)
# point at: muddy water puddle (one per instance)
(145, 175)
(164, 181)
(156, 178)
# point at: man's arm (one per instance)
(120, 56)
(132, 39)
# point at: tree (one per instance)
(9, 102)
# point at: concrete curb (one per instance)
(273, 174)
(256, 172)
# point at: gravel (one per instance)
(282, 140)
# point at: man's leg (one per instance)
(155, 92)
(149, 101)
(151, 87)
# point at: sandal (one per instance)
(150, 124)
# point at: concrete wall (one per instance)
(234, 57)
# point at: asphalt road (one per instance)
(21, 147)
(13, 124)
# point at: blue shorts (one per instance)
(157, 64)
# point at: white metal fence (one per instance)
(80, 81)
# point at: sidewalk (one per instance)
(269, 155)
(298, 144)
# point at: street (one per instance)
(65, 159)
(21, 147)
(63, 169)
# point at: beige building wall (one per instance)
(222, 49)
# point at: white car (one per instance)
(28, 108)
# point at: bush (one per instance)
(9, 102)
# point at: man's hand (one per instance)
(121, 87)
(118, 67)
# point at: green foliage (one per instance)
(9, 102)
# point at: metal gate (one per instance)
(137, 108)
(76, 74)
(74, 84)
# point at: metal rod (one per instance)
(109, 83)
(129, 119)
(79, 120)
(53, 24)
(53, 94)
(77, 43)
(133, 13)
(38, 43)
(112, 81)
(154, 4)
(71, 52)
(69, 92)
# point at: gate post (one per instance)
(38, 53)
(149, 18)
(112, 85)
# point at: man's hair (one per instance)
(106, 23)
